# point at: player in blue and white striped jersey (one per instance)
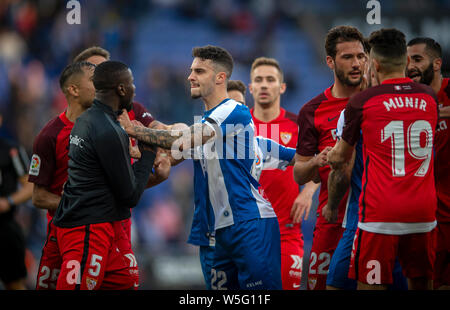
(269, 155)
(246, 228)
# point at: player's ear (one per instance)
(330, 62)
(120, 89)
(376, 65)
(73, 90)
(250, 88)
(221, 78)
(282, 88)
(437, 64)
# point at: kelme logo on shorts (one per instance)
(35, 165)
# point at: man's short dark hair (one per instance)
(432, 47)
(217, 55)
(72, 70)
(388, 46)
(236, 85)
(341, 34)
(109, 74)
(266, 61)
(92, 51)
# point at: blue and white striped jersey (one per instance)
(227, 170)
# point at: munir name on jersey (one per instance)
(405, 102)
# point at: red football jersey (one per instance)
(398, 121)
(317, 123)
(49, 162)
(279, 185)
(442, 159)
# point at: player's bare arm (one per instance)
(302, 204)
(341, 154)
(20, 196)
(306, 168)
(44, 199)
(338, 184)
(444, 112)
(196, 134)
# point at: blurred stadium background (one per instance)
(155, 38)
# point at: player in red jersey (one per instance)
(273, 122)
(49, 166)
(317, 123)
(397, 205)
(425, 67)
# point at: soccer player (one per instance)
(317, 122)
(236, 90)
(273, 122)
(243, 221)
(50, 163)
(101, 187)
(425, 67)
(397, 120)
(48, 168)
(13, 171)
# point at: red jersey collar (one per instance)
(280, 116)
(330, 96)
(64, 118)
(397, 81)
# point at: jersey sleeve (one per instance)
(127, 182)
(43, 161)
(352, 120)
(142, 114)
(308, 136)
(275, 155)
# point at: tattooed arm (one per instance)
(197, 134)
(338, 184)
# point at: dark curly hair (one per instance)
(341, 34)
(217, 55)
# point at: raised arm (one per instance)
(196, 134)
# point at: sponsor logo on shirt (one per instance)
(146, 114)
(75, 140)
(35, 165)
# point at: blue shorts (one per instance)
(226, 278)
(247, 255)
(340, 263)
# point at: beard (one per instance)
(127, 105)
(345, 80)
(426, 77)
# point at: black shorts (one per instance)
(12, 249)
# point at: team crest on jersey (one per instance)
(258, 160)
(312, 283)
(285, 137)
(35, 165)
(91, 283)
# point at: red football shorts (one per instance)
(325, 240)
(291, 262)
(91, 259)
(373, 256)
(442, 262)
(122, 231)
(50, 263)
